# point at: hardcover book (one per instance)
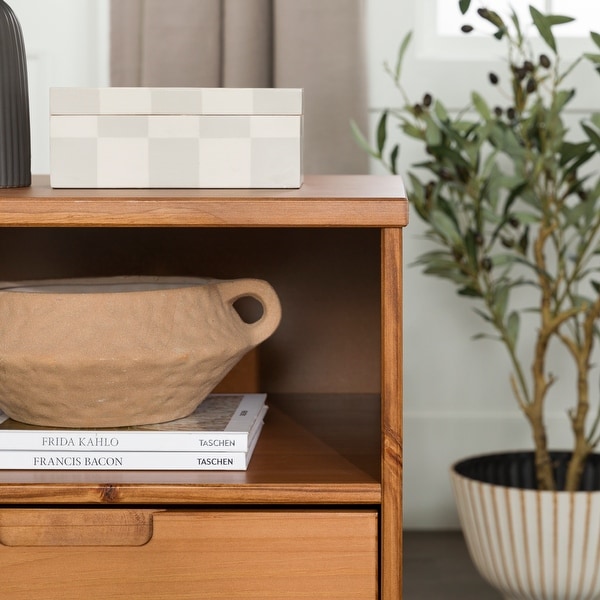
(150, 460)
(222, 423)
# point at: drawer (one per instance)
(180, 554)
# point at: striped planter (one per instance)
(528, 544)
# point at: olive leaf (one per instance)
(394, 159)
(570, 151)
(544, 24)
(401, 52)
(517, 24)
(592, 135)
(593, 57)
(481, 106)
(512, 328)
(446, 228)
(382, 132)
(464, 5)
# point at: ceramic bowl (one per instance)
(122, 350)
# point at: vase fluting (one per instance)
(530, 544)
(15, 135)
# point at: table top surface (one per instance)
(322, 201)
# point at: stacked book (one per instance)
(220, 434)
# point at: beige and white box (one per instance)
(175, 137)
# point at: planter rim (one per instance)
(523, 455)
(499, 453)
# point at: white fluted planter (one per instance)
(528, 544)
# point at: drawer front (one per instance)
(151, 554)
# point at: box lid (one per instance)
(175, 101)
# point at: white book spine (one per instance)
(123, 461)
(128, 461)
(235, 438)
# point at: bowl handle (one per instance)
(264, 293)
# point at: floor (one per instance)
(437, 567)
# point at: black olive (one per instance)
(486, 263)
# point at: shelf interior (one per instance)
(328, 281)
(321, 441)
(313, 449)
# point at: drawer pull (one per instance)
(78, 527)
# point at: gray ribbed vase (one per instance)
(15, 138)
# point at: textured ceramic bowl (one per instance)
(122, 350)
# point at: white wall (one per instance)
(457, 397)
(67, 45)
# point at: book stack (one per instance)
(220, 434)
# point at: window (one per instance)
(449, 18)
(439, 23)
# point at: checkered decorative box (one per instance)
(175, 138)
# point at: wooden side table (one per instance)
(318, 512)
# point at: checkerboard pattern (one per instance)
(175, 138)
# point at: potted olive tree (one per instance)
(511, 200)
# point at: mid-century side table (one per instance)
(318, 512)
